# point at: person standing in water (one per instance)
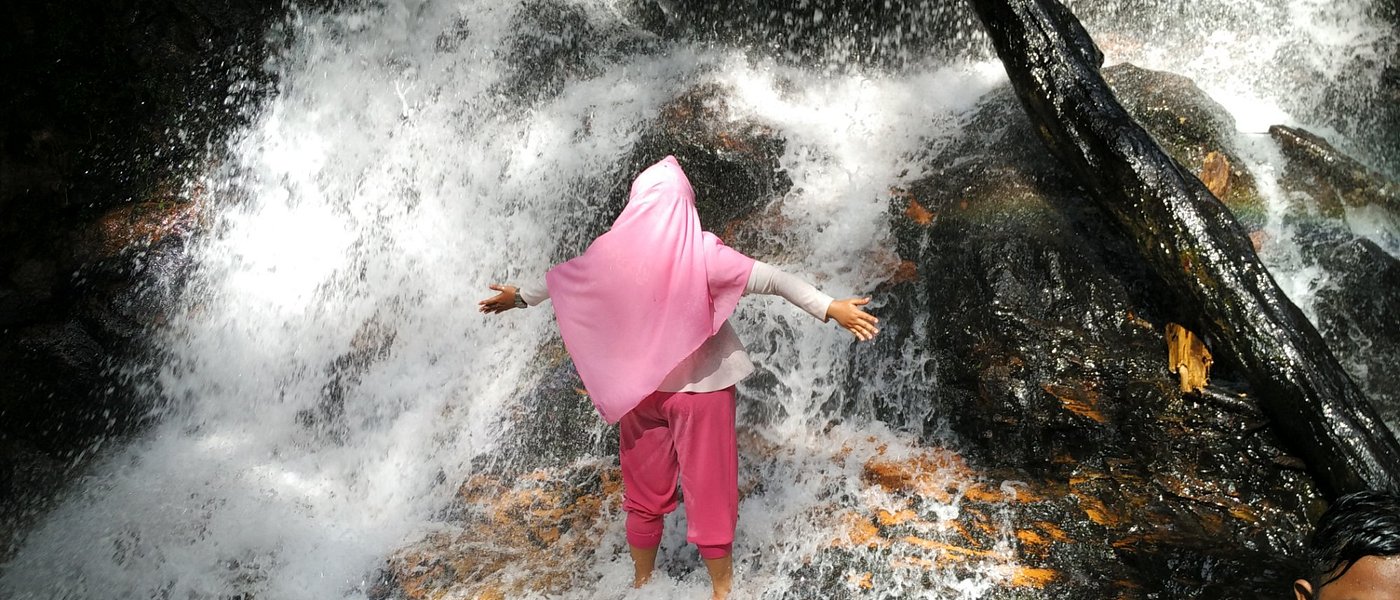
(644, 314)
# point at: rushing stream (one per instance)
(328, 383)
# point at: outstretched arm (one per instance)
(766, 279)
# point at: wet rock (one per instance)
(558, 398)
(112, 104)
(555, 42)
(732, 162)
(1047, 338)
(135, 227)
(371, 343)
(893, 33)
(1192, 243)
(101, 304)
(1327, 188)
(509, 537)
(1331, 178)
(1356, 313)
(29, 477)
(1192, 128)
(28, 292)
(57, 393)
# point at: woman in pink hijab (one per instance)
(644, 315)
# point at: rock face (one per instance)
(544, 519)
(833, 32)
(1326, 189)
(1355, 314)
(1191, 242)
(1194, 130)
(1054, 365)
(1334, 179)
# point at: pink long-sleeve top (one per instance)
(721, 360)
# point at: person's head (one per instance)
(1354, 553)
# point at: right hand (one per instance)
(848, 314)
(501, 302)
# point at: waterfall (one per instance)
(328, 382)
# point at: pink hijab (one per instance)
(645, 294)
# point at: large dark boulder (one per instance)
(1333, 180)
(1357, 291)
(1192, 242)
(1356, 313)
(1047, 338)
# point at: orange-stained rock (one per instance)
(949, 550)
(937, 474)
(860, 531)
(539, 524)
(982, 492)
(1097, 511)
(1033, 578)
(1138, 321)
(1215, 173)
(1052, 531)
(888, 518)
(1258, 239)
(907, 271)
(917, 213)
(138, 225)
(1032, 542)
(1077, 399)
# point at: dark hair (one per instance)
(1357, 525)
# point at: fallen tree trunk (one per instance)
(1193, 243)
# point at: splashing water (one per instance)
(329, 382)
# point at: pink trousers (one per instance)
(690, 436)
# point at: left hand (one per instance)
(501, 302)
(848, 314)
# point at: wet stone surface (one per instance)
(1189, 125)
(1325, 190)
(1356, 315)
(1048, 340)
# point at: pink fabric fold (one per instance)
(645, 294)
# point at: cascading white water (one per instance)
(329, 381)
